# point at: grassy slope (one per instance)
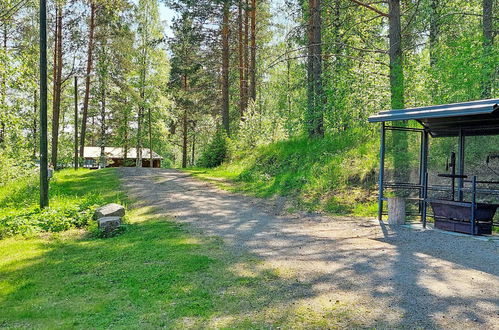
(67, 187)
(73, 194)
(335, 174)
(156, 274)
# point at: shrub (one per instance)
(74, 195)
(14, 167)
(48, 220)
(216, 152)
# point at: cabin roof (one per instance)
(473, 118)
(118, 152)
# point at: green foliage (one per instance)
(14, 166)
(216, 152)
(74, 197)
(50, 220)
(259, 128)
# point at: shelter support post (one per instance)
(424, 174)
(473, 205)
(421, 175)
(381, 171)
(461, 164)
(425, 196)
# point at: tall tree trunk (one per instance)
(150, 136)
(184, 128)
(56, 102)
(93, 9)
(125, 134)
(242, 87)
(184, 138)
(35, 123)
(399, 139)
(193, 146)
(3, 108)
(395, 52)
(488, 40)
(252, 68)
(246, 50)
(315, 116)
(103, 91)
(288, 78)
(141, 107)
(319, 93)
(76, 162)
(92, 140)
(434, 29)
(142, 88)
(433, 39)
(138, 162)
(225, 67)
(140, 117)
(55, 57)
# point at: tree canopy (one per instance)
(262, 71)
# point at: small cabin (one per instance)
(115, 157)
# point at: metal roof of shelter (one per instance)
(473, 118)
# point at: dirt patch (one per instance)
(398, 277)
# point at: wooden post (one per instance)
(381, 172)
(44, 184)
(396, 210)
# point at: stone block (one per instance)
(109, 210)
(109, 223)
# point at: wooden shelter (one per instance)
(115, 157)
(460, 120)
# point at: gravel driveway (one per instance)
(399, 277)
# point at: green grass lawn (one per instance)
(155, 274)
(67, 186)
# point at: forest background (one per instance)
(277, 91)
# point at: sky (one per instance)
(167, 16)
